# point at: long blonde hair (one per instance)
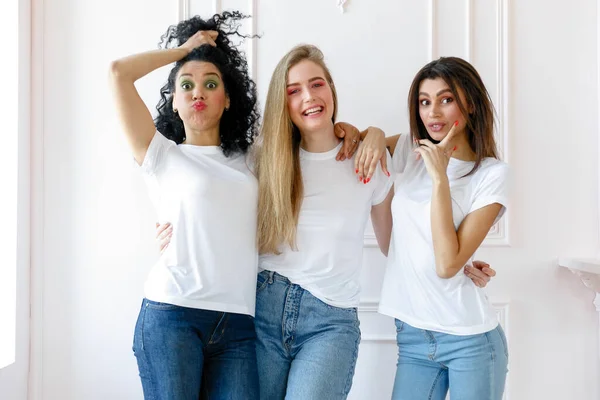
(280, 188)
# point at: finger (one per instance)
(373, 166)
(445, 141)
(166, 233)
(427, 143)
(161, 228)
(480, 264)
(357, 159)
(384, 165)
(489, 271)
(352, 149)
(360, 162)
(344, 150)
(339, 131)
(163, 246)
(368, 158)
(213, 34)
(478, 274)
(470, 273)
(421, 151)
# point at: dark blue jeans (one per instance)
(190, 354)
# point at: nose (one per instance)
(308, 96)
(198, 93)
(434, 110)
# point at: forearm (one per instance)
(445, 239)
(135, 66)
(381, 218)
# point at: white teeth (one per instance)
(313, 110)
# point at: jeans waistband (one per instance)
(274, 276)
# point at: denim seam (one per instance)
(435, 381)
(221, 325)
(348, 385)
(491, 345)
(504, 342)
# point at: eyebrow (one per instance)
(208, 73)
(316, 78)
(438, 93)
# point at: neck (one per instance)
(203, 137)
(463, 149)
(319, 141)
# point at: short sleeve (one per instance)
(383, 182)
(401, 153)
(492, 187)
(156, 153)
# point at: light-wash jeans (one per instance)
(430, 363)
(306, 349)
(188, 354)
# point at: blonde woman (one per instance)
(311, 220)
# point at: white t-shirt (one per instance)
(331, 226)
(211, 201)
(412, 290)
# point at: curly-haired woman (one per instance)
(195, 331)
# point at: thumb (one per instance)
(339, 131)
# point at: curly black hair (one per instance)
(239, 125)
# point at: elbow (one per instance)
(446, 271)
(116, 70)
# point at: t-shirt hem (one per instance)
(454, 330)
(203, 305)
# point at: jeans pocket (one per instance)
(262, 280)
(156, 305)
(503, 338)
(399, 325)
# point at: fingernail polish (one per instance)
(456, 123)
(356, 171)
(454, 149)
(388, 173)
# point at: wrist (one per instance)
(371, 130)
(184, 50)
(440, 180)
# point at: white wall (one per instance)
(13, 378)
(93, 224)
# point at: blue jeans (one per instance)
(306, 349)
(429, 363)
(187, 354)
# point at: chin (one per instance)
(437, 136)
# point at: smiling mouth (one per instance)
(312, 111)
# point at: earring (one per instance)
(175, 110)
(226, 108)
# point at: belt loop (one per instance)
(271, 274)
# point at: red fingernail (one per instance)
(356, 171)
(456, 123)
(388, 173)
(368, 179)
(365, 181)
(454, 149)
